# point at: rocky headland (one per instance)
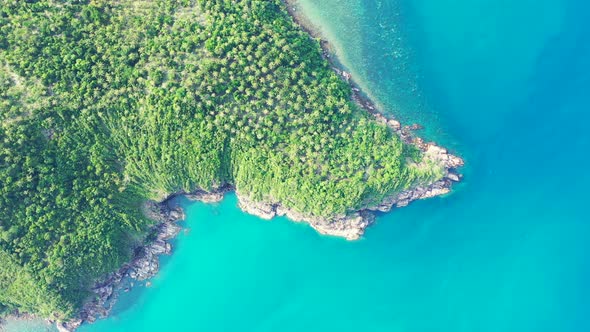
(351, 226)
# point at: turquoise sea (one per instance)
(506, 85)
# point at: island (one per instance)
(110, 108)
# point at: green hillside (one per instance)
(104, 104)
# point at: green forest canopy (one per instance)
(104, 104)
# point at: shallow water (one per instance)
(26, 325)
(504, 84)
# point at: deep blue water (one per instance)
(506, 85)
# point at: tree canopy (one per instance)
(104, 104)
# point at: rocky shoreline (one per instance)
(353, 225)
(145, 263)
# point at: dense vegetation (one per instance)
(104, 104)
